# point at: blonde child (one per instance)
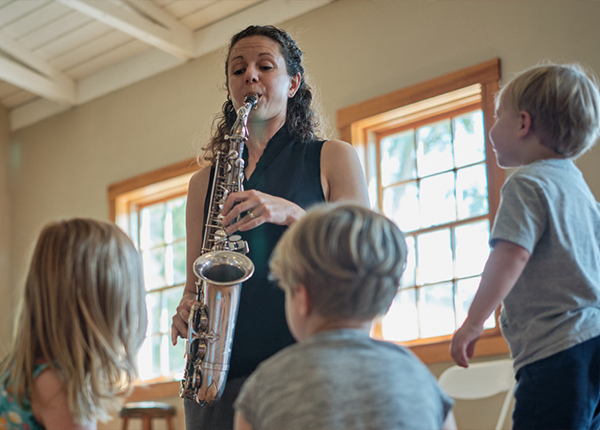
(340, 267)
(81, 320)
(545, 262)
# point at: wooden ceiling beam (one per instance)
(142, 20)
(59, 91)
(266, 12)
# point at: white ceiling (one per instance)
(56, 54)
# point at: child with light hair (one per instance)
(545, 263)
(340, 267)
(81, 321)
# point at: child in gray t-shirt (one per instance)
(340, 267)
(545, 263)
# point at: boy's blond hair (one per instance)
(564, 104)
(83, 313)
(348, 257)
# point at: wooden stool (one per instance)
(147, 411)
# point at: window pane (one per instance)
(436, 310)
(149, 358)
(469, 139)
(409, 276)
(154, 268)
(434, 153)
(398, 158)
(400, 323)
(472, 249)
(434, 257)
(178, 210)
(465, 291)
(178, 263)
(154, 311)
(152, 219)
(401, 204)
(177, 359)
(471, 191)
(172, 296)
(438, 204)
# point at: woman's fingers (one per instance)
(237, 203)
(179, 328)
(247, 222)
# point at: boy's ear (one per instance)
(524, 123)
(303, 300)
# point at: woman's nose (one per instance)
(251, 75)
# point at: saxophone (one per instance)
(221, 269)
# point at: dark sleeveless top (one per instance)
(292, 170)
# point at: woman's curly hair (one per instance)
(302, 120)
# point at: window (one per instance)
(151, 209)
(429, 168)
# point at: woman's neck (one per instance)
(259, 135)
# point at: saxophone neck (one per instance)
(239, 131)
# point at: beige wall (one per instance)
(5, 305)
(355, 50)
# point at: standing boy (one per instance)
(545, 262)
(340, 267)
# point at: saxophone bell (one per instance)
(222, 273)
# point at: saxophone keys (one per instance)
(203, 319)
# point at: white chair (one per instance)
(481, 380)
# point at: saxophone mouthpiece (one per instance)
(251, 98)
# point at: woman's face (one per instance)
(257, 65)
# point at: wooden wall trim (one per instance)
(149, 178)
(482, 73)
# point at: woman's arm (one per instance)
(341, 173)
(194, 222)
(342, 178)
(50, 406)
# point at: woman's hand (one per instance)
(258, 208)
(179, 328)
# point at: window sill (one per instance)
(428, 353)
(154, 390)
(440, 351)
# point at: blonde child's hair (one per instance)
(348, 257)
(83, 313)
(564, 104)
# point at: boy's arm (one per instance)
(504, 266)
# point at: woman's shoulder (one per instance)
(338, 151)
(337, 145)
(342, 173)
(199, 181)
(201, 175)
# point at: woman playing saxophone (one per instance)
(287, 169)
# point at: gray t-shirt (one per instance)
(547, 208)
(343, 379)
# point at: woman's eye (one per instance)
(266, 67)
(238, 71)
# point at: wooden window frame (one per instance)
(142, 190)
(351, 124)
